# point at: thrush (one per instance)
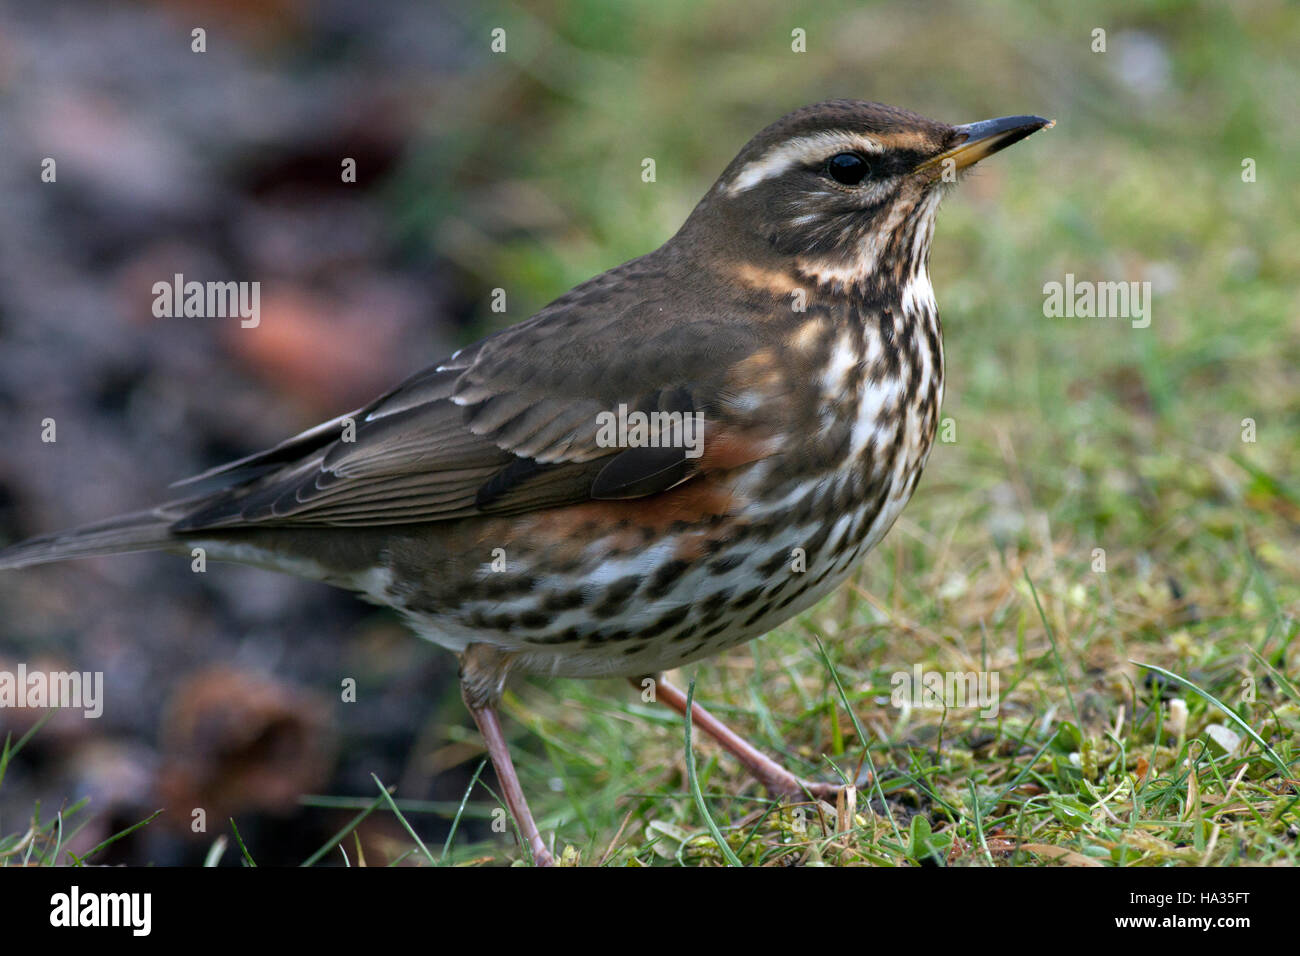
(669, 460)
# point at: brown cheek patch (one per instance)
(775, 281)
(760, 370)
(810, 336)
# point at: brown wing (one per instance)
(509, 424)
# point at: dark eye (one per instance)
(848, 169)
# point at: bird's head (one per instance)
(845, 192)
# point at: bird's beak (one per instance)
(986, 138)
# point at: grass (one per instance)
(1113, 528)
(1100, 532)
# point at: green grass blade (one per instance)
(1231, 714)
(398, 813)
(694, 784)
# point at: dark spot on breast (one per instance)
(562, 601)
(616, 596)
(822, 577)
(570, 635)
(758, 615)
(501, 585)
(664, 577)
(729, 563)
(534, 620)
(789, 599)
(714, 603)
(773, 564)
(670, 620)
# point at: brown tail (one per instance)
(138, 531)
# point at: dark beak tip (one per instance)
(1003, 125)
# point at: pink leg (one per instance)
(490, 728)
(766, 770)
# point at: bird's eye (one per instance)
(848, 169)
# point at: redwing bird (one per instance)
(775, 370)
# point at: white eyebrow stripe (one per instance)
(796, 152)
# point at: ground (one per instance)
(1110, 522)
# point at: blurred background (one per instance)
(521, 170)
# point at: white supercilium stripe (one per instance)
(796, 152)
